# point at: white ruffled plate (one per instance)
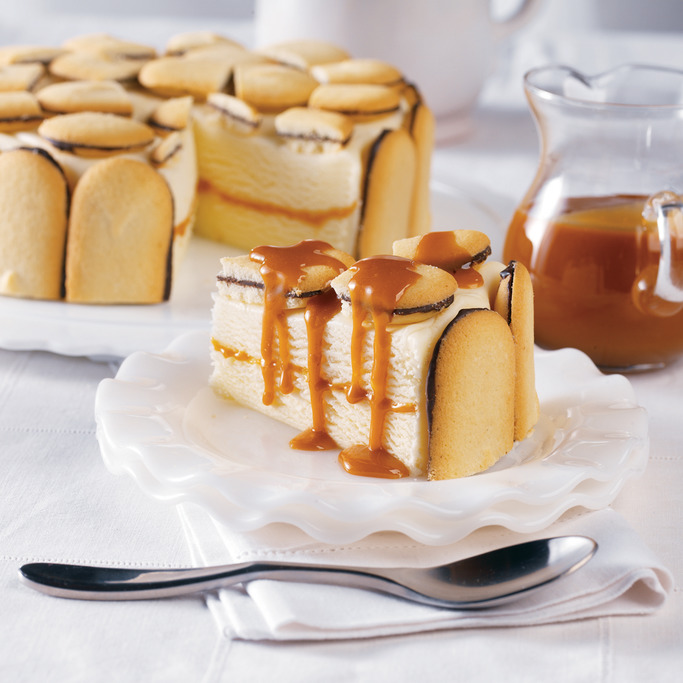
(159, 423)
(118, 331)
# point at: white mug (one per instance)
(446, 47)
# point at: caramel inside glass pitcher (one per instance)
(588, 272)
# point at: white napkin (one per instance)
(623, 577)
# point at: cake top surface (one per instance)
(404, 289)
(317, 91)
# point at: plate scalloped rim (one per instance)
(148, 430)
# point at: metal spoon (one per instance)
(483, 581)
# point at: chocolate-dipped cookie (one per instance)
(471, 395)
(514, 302)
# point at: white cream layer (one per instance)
(261, 189)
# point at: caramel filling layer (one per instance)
(315, 219)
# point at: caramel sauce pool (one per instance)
(591, 264)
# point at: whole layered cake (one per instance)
(112, 155)
(418, 363)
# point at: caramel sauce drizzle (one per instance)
(319, 311)
(318, 385)
(377, 284)
(468, 278)
(375, 287)
(316, 219)
(441, 249)
(282, 268)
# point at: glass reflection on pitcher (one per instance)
(601, 227)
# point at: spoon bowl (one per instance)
(485, 580)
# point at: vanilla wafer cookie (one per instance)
(431, 291)
(19, 111)
(354, 71)
(449, 249)
(17, 77)
(178, 77)
(237, 114)
(85, 96)
(514, 302)
(309, 130)
(361, 101)
(172, 115)
(273, 88)
(91, 66)
(120, 235)
(304, 54)
(34, 204)
(95, 134)
(242, 277)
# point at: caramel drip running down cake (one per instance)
(418, 363)
(113, 154)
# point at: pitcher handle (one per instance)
(662, 294)
(526, 9)
(668, 212)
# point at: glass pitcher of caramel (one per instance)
(601, 227)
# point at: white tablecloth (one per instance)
(58, 502)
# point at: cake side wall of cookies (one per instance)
(471, 395)
(79, 125)
(422, 129)
(388, 193)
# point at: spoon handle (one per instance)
(113, 583)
